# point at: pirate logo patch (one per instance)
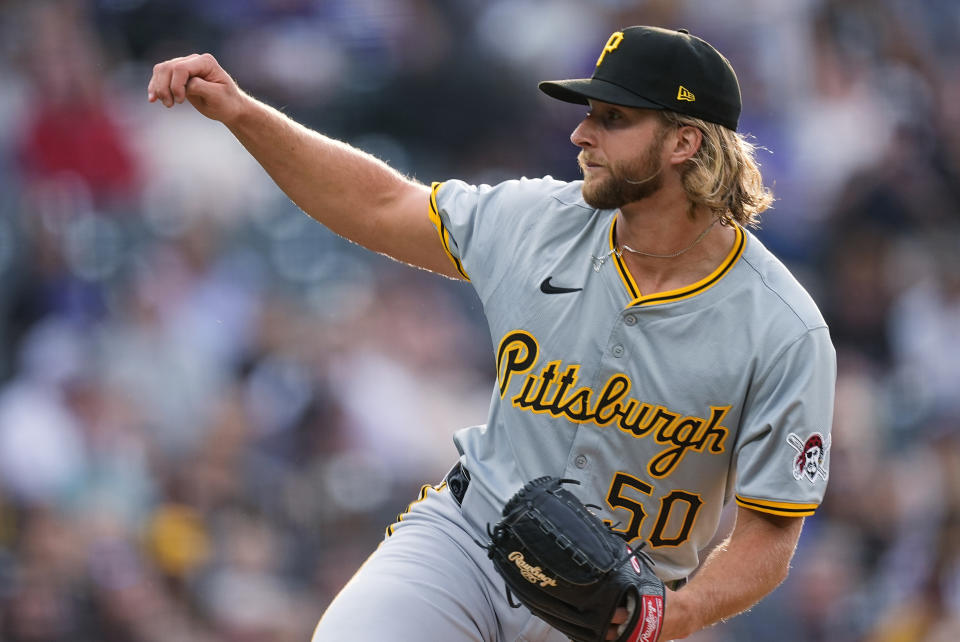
(810, 455)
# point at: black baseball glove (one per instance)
(570, 569)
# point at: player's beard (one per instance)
(625, 182)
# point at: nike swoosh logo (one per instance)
(547, 288)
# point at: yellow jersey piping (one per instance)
(442, 229)
(706, 283)
(784, 509)
(625, 275)
(422, 495)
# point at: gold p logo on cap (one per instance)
(612, 43)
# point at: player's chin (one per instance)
(592, 187)
(600, 194)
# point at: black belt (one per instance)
(457, 481)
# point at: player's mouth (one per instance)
(587, 164)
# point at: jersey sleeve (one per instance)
(783, 448)
(480, 227)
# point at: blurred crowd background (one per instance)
(210, 407)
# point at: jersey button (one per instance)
(580, 461)
(618, 350)
(630, 319)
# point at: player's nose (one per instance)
(582, 136)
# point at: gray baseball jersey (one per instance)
(664, 406)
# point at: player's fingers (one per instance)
(170, 78)
(206, 77)
(620, 615)
(208, 98)
(159, 86)
(182, 71)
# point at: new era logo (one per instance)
(685, 94)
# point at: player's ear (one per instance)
(687, 140)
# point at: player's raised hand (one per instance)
(200, 79)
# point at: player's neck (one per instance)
(666, 249)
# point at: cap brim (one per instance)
(580, 90)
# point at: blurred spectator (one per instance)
(925, 330)
(69, 134)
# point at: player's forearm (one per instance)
(342, 187)
(752, 562)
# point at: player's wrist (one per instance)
(245, 113)
(681, 618)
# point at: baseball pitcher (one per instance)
(655, 362)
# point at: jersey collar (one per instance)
(637, 297)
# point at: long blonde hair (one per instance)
(723, 175)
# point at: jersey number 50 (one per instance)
(671, 506)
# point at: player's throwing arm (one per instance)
(349, 191)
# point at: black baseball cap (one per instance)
(657, 68)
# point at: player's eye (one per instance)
(606, 117)
(612, 117)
